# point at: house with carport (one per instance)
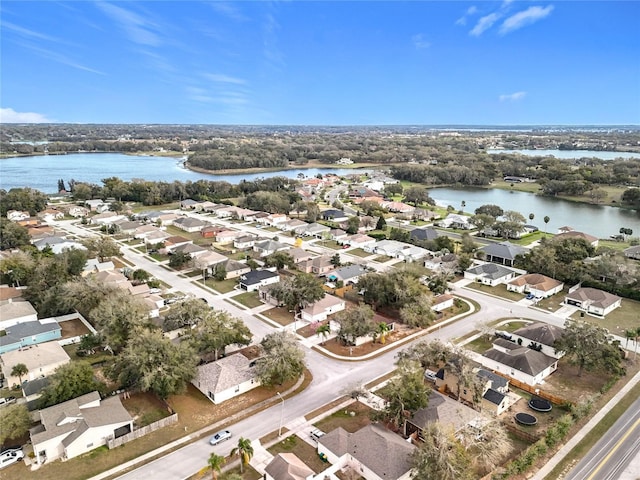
(77, 426)
(226, 378)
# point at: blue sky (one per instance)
(321, 63)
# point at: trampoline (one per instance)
(525, 419)
(540, 405)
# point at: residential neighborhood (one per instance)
(245, 316)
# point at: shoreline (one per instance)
(306, 166)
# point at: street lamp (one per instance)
(281, 414)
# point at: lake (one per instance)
(42, 172)
(569, 154)
(598, 220)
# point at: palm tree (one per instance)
(382, 329)
(215, 463)
(19, 370)
(244, 449)
(629, 334)
(324, 331)
(546, 220)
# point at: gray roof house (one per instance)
(348, 274)
(503, 253)
(189, 224)
(632, 252)
(313, 230)
(490, 274)
(287, 466)
(78, 426)
(443, 410)
(373, 451)
(29, 333)
(226, 378)
(520, 362)
(593, 301)
(422, 234)
(255, 279)
(267, 247)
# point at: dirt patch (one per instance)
(73, 328)
(566, 383)
(310, 329)
(145, 408)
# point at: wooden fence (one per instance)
(535, 391)
(141, 432)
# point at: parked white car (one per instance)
(10, 456)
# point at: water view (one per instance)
(43, 172)
(598, 220)
(569, 154)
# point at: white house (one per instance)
(490, 274)
(373, 452)
(320, 310)
(17, 215)
(255, 279)
(536, 284)
(541, 335)
(78, 426)
(358, 240)
(453, 220)
(267, 247)
(190, 225)
(593, 301)
(41, 360)
(442, 302)
(14, 312)
(226, 378)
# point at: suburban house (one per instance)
(592, 301)
(41, 360)
(106, 218)
(235, 269)
(275, 219)
(188, 204)
(358, 240)
(29, 333)
(313, 230)
(165, 218)
(78, 426)
(32, 390)
(443, 410)
(453, 220)
(253, 280)
(520, 362)
(543, 336)
(50, 214)
(335, 215)
(287, 466)
(503, 253)
(78, 211)
(227, 236)
(226, 378)
(318, 266)
(208, 260)
(190, 249)
(17, 215)
(97, 205)
(267, 247)
(244, 242)
(320, 310)
(411, 253)
(490, 274)
(535, 284)
(300, 255)
(348, 275)
(442, 302)
(144, 230)
(573, 234)
(175, 241)
(127, 227)
(189, 224)
(632, 252)
(57, 244)
(292, 225)
(386, 247)
(424, 234)
(13, 312)
(373, 451)
(398, 207)
(337, 234)
(442, 263)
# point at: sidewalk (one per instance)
(564, 451)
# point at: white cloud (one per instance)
(137, 28)
(9, 115)
(222, 78)
(484, 24)
(25, 32)
(419, 41)
(472, 10)
(229, 10)
(524, 18)
(512, 97)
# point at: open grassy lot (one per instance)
(248, 299)
(303, 451)
(358, 252)
(224, 286)
(345, 419)
(626, 317)
(529, 239)
(512, 326)
(613, 245)
(145, 408)
(498, 291)
(480, 344)
(280, 315)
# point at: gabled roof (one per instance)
(491, 270)
(233, 265)
(381, 451)
(348, 272)
(520, 358)
(31, 387)
(12, 310)
(445, 411)
(537, 281)
(256, 276)
(506, 250)
(424, 234)
(321, 305)
(190, 248)
(287, 466)
(225, 373)
(497, 381)
(189, 222)
(269, 245)
(540, 333)
(22, 330)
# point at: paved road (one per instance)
(611, 458)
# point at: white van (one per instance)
(10, 456)
(316, 434)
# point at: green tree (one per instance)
(313, 212)
(18, 266)
(407, 393)
(382, 223)
(355, 322)
(283, 359)
(219, 272)
(296, 293)
(323, 331)
(488, 445)
(70, 381)
(185, 314)
(179, 260)
(440, 456)
(381, 331)
(590, 348)
(102, 247)
(467, 245)
(244, 450)
(216, 331)
(22, 199)
(417, 195)
(531, 216)
(151, 362)
(15, 420)
(140, 275)
(215, 463)
(279, 260)
(19, 370)
(353, 225)
(492, 210)
(431, 354)
(546, 220)
(12, 235)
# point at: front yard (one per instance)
(358, 252)
(303, 451)
(224, 286)
(498, 291)
(626, 317)
(352, 418)
(248, 299)
(280, 315)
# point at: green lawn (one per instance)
(613, 245)
(531, 187)
(528, 239)
(499, 291)
(553, 303)
(330, 244)
(303, 451)
(280, 315)
(358, 252)
(624, 318)
(248, 299)
(512, 326)
(224, 286)
(480, 344)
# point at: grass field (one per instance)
(624, 318)
(498, 291)
(248, 299)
